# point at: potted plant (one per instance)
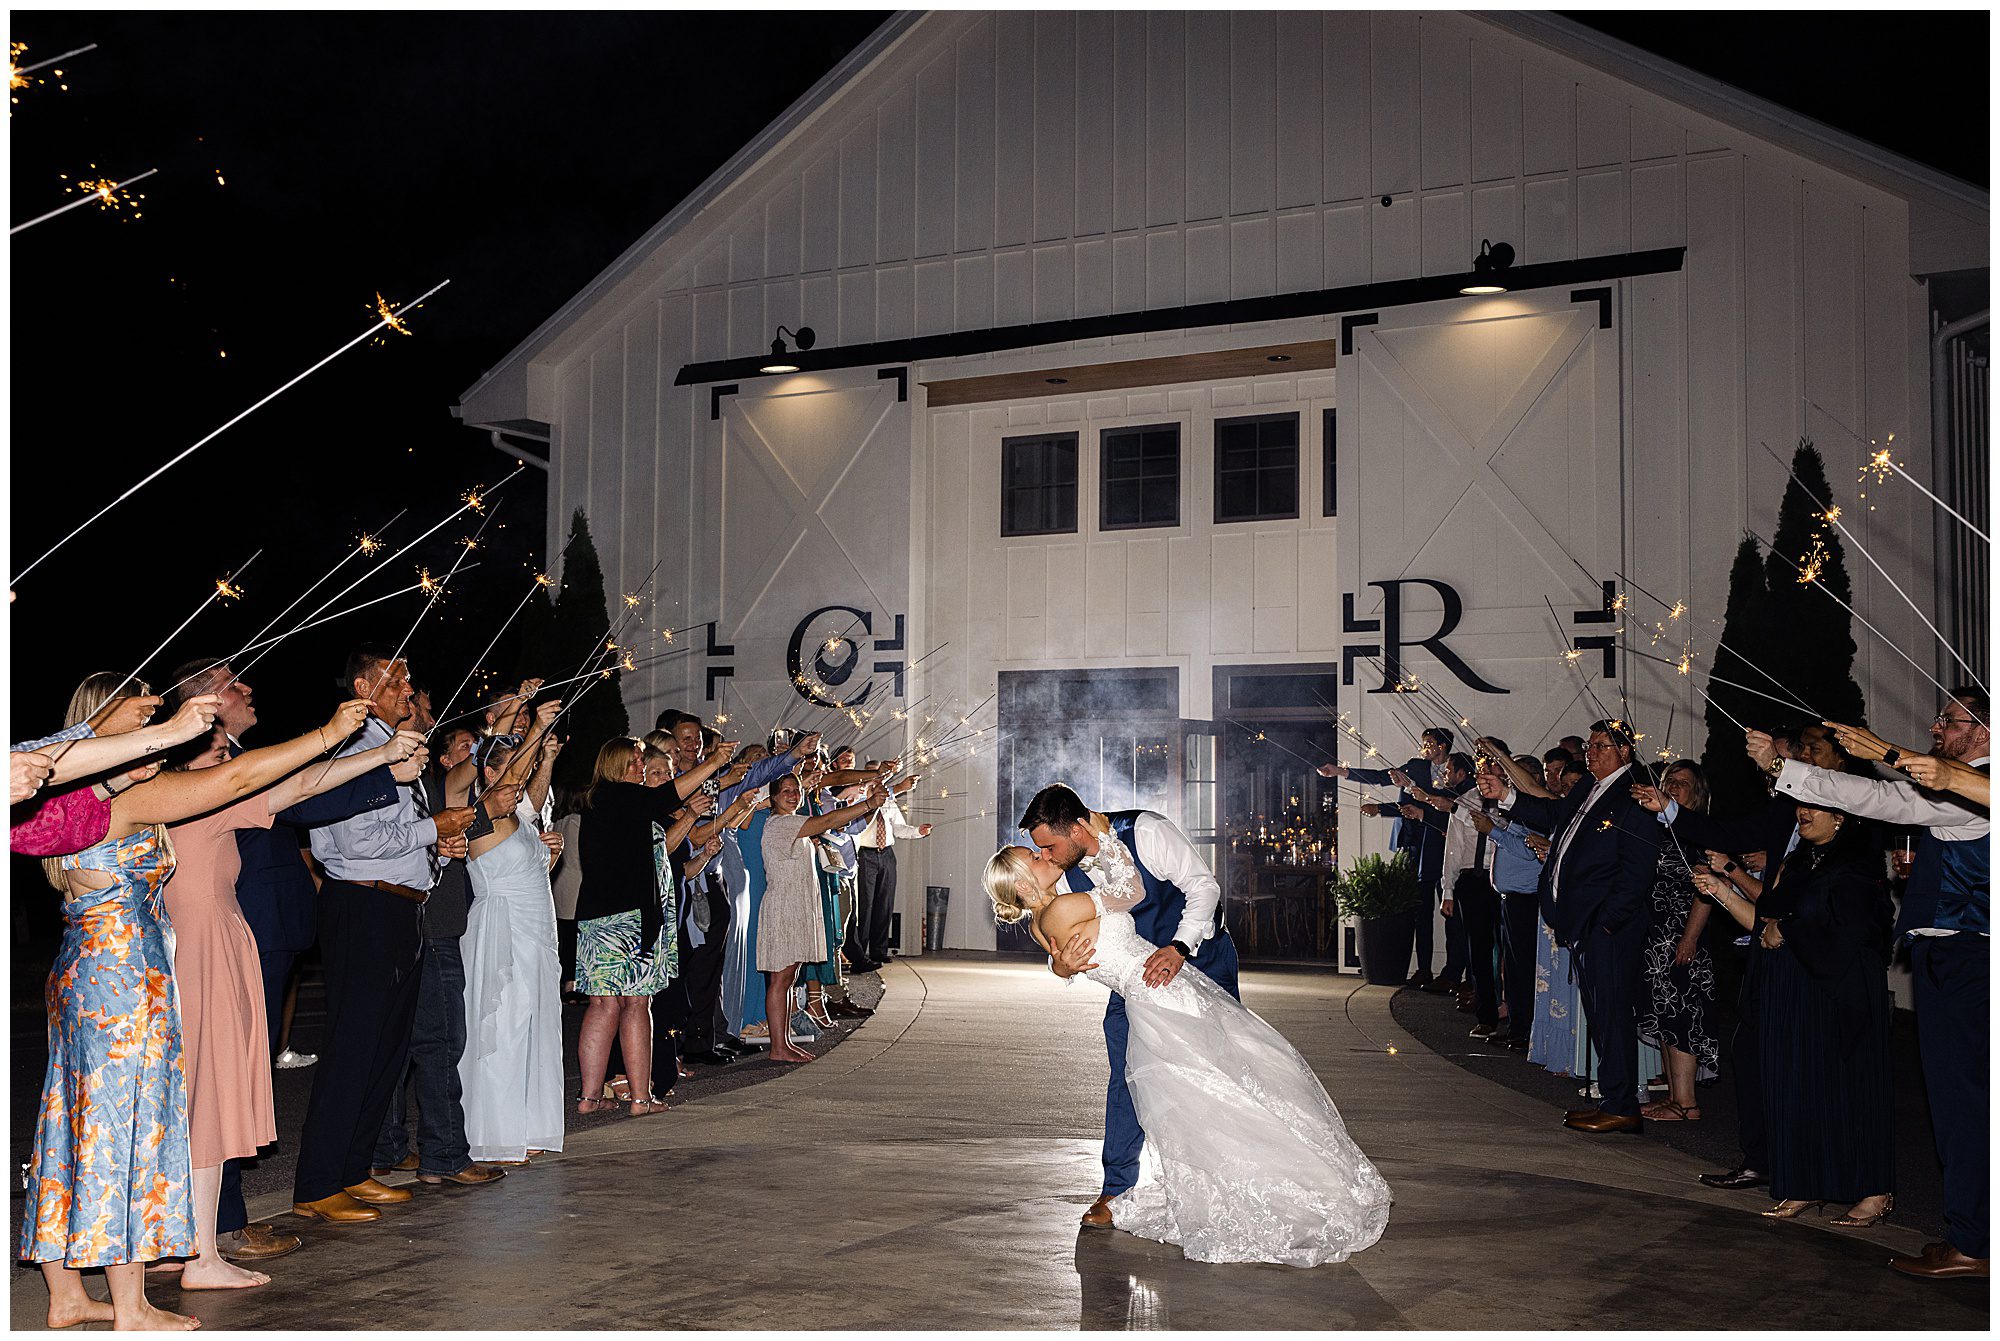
(1382, 893)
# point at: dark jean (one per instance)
(437, 1041)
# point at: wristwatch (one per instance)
(1776, 766)
(1185, 952)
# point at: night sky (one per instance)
(308, 160)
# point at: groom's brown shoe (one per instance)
(1099, 1214)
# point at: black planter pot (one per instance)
(1386, 944)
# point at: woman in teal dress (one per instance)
(751, 843)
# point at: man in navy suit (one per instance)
(1177, 911)
(1596, 895)
(280, 902)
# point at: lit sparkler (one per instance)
(224, 587)
(107, 193)
(189, 451)
(1887, 640)
(541, 580)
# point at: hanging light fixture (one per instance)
(781, 360)
(1489, 269)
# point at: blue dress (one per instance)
(751, 844)
(1553, 1033)
(110, 1180)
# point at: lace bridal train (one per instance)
(1246, 1158)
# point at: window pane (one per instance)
(1121, 505)
(1256, 468)
(1163, 501)
(1278, 493)
(1237, 496)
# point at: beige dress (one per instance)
(226, 1043)
(791, 928)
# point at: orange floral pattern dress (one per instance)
(111, 1178)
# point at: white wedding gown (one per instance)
(512, 1069)
(1246, 1158)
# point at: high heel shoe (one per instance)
(1852, 1221)
(1791, 1210)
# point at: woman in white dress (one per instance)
(512, 1068)
(791, 921)
(1246, 1158)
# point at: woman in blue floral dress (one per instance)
(111, 1180)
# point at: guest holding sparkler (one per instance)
(279, 901)
(380, 866)
(511, 1073)
(875, 898)
(1946, 918)
(627, 910)
(1594, 894)
(1680, 975)
(791, 928)
(1739, 848)
(223, 994)
(1823, 919)
(110, 1179)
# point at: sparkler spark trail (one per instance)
(540, 581)
(1881, 460)
(190, 451)
(267, 644)
(1722, 646)
(105, 192)
(1887, 640)
(1830, 513)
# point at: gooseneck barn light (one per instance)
(1489, 269)
(780, 360)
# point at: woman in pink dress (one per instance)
(225, 1040)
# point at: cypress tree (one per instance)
(1811, 644)
(1732, 778)
(565, 642)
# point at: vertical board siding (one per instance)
(1055, 125)
(1252, 112)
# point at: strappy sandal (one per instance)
(648, 1106)
(588, 1105)
(619, 1089)
(1666, 1110)
(1852, 1221)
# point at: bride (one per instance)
(1246, 1158)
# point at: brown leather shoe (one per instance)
(257, 1243)
(1575, 1114)
(1606, 1122)
(1099, 1214)
(338, 1209)
(379, 1194)
(472, 1175)
(407, 1164)
(1939, 1261)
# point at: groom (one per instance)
(1177, 911)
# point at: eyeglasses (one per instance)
(1946, 719)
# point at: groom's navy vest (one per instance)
(1158, 915)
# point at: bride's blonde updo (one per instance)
(1006, 872)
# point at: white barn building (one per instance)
(1144, 385)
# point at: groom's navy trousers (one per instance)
(1123, 1137)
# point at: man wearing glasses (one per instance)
(1946, 922)
(1596, 895)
